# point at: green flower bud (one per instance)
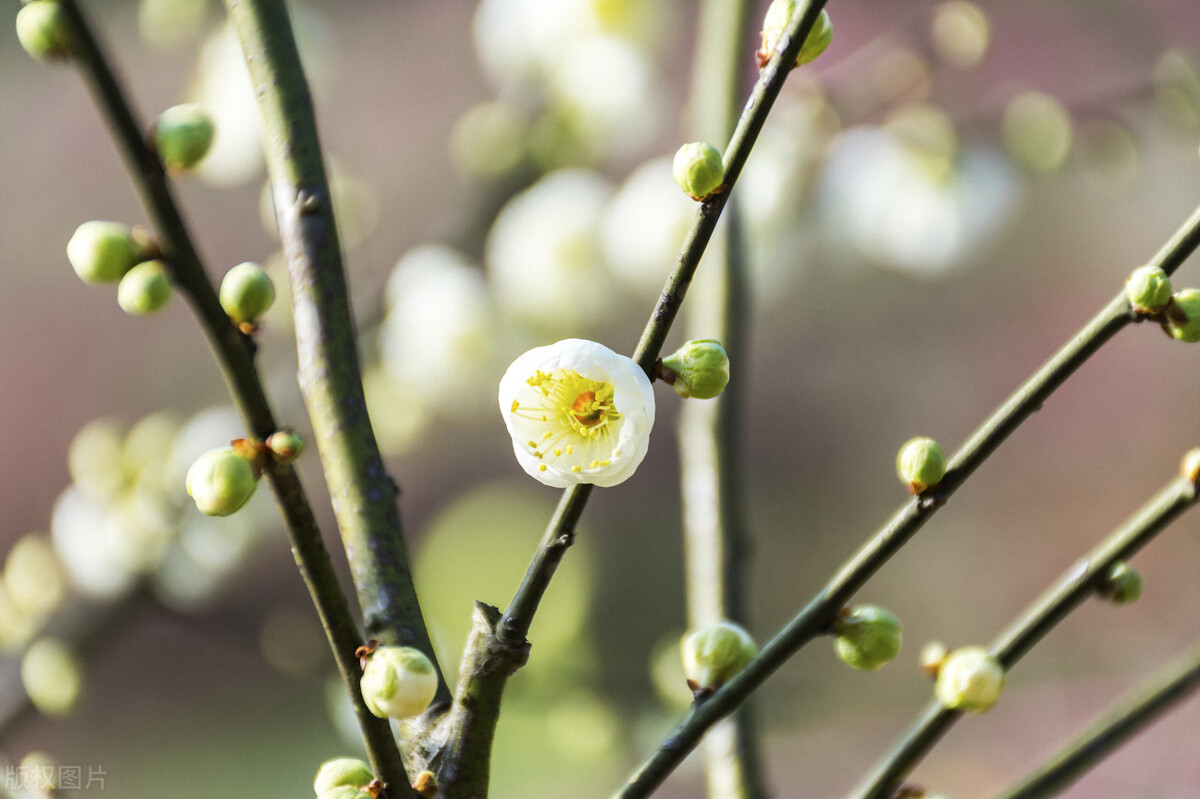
(714, 654)
(145, 289)
(52, 676)
(1148, 289)
(921, 464)
(779, 14)
(426, 784)
(698, 169)
(342, 771)
(183, 135)
(398, 682)
(246, 293)
(1122, 585)
(221, 481)
(1182, 317)
(43, 30)
(970, 680)
(933, 654)
(1189, 467)
(868, 637)
(102, 252)
(700, 369)
(285, 445)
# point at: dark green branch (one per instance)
(1130, 716)
(235, 356)
(814, 618)
(512, 628)
(516, 621)
(364, 496)
(1070, 591)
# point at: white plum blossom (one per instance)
(577, 413)
(543, 253)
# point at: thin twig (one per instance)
(814, 618)
(364, 496)
(508, 646)
(1070, 591)
(1131, 715)
(235, 356)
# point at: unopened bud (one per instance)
(246, 293)
(1148, 289)
(714, 654)
(145, 289)
(286, 445)
(1182, 317)
(775, 23)
(43, 30)
(183, 135)
(970, 680)
(700, 369)
(398, 682)
(698, 169)
(342, 771)
(1122, 585)
(102, 252)
(921, 464)
(868, 637)
(221, 481)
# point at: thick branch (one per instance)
(364, 496)
(235, 356)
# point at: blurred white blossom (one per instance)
(543, 254)
(881, 198)
(440, 332)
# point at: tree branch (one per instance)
(364, 496)
(1070, 591)
(1128, 717)
(235, 356)
(814, 618)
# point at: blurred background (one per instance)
(934, 207)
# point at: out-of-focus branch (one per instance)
(716, 541)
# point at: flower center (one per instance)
(571, 417)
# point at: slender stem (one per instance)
(1130, 716)
(770, 82)
(364, 496)
(513, 626)
(1070, 591)
(814, 618)
(235, 355)
(716, 541)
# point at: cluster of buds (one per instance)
(1150, 294)
(222, 480)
